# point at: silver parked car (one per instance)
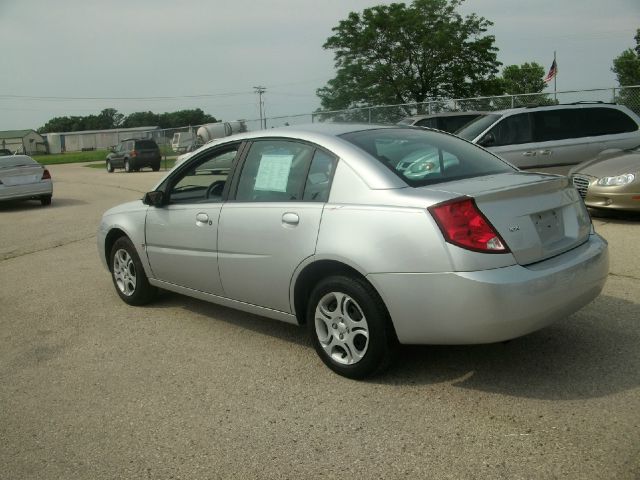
(368, 235)
(22, 178)
(554, 135)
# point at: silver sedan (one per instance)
(22, 178)
(369, 236)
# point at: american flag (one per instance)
(553, 71)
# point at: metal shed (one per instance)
(94, 139)
(28, 142)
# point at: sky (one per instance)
(77, 57)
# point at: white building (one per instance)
(95, 139)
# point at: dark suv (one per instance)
(133, 154)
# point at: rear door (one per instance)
(272, 224)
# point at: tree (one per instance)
(626, 66)
(395, 53)
(525, 78)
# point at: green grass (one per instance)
(164, 165)
(71, 157)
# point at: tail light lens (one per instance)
(464, 225)
(46, 175)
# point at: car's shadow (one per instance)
(27, 205)
(615, 216)
(591, 354)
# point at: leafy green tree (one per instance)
(525, 78)
(141, 119)
(626, 66)
(392, 54)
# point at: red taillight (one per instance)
(46, 175)
(464, 225)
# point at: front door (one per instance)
(181, 237)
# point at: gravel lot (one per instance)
(91, 388)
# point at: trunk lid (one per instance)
(538, 215)
(20, 170)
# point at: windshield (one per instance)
(474, 128)
(424, 157)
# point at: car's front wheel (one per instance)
(128, 274)
(350, 327)
(109, 166)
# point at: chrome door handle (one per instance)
(529, 154)
(545, 152)
(290, 218)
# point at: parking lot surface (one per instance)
(93, 388)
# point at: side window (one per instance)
(427, 122)
(319, 178)
(274, 171)
(606, 121)
(557, 124)
(454, 123)
(204, 180)
(513, 130)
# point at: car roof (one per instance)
(560, 106)
(446, 114)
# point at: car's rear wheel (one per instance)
(156, 167)
(127, 166)
(350, 327)
(128, 274)
(46, 200)
(109, 166)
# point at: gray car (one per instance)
(22, 178)
(554, 135)
(368, 235)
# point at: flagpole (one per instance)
(555, 89)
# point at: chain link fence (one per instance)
(628, 96)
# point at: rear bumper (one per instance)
(493, 305)
(27, 191)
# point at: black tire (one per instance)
(109, 166)
(46, 200)
(127, 166)
(128, 275)
(156, 167)
(351, 355)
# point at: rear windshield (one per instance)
(148, 144)
(423, 157)
(16, 161)
(474, 128)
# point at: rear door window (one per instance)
(558, 124)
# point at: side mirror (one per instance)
(154, 199)
(488, 140)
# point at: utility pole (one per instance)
(260, 90)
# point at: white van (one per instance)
(554, 135)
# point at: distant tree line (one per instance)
(110, 118)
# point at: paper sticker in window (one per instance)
(273, 173)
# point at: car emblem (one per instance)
(514, 228)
